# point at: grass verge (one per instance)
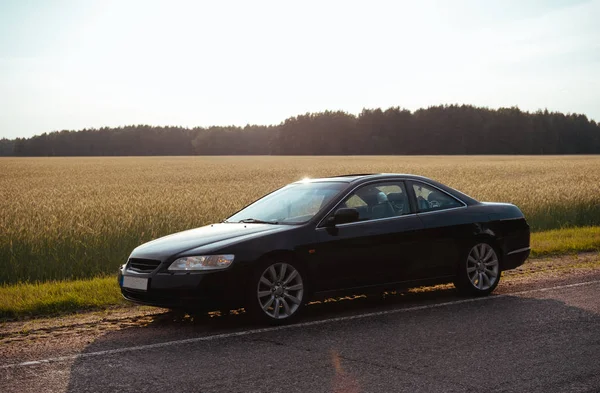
(58, 297)
(565, 241)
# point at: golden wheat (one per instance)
(80, 217)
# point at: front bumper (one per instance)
(204, 291)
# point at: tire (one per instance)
(478, 270)
(277, 293)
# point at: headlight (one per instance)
(201, 262)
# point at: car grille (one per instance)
(142, 265)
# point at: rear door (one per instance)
(378, 248)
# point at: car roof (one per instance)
(355, 177)
(359, 178)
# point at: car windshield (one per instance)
(293, 204)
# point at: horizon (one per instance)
(274, 125)
(67, 65)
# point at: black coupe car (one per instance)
(320, 237)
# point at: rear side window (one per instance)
(431, 199)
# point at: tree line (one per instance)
(445, 129)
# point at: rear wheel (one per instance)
(278, 292)
(479, 271)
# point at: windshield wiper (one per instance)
(257, 221)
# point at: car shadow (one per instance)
(517, 343)
(323, 308)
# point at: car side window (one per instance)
(379, 200)
(431, 199)
(354, 201)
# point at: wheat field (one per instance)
(66, 218)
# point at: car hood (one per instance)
(168, 246)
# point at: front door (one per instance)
(379, 248)
(446, 225)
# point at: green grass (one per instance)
(565, 241)
(56, 297)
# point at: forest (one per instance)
(444, 129)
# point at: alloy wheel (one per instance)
(280, 291)
(482, 266)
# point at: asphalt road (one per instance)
(541, 340)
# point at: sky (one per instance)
(74, 64)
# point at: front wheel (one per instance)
(479, 271)
(278, 292)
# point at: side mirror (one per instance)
(343, 215)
